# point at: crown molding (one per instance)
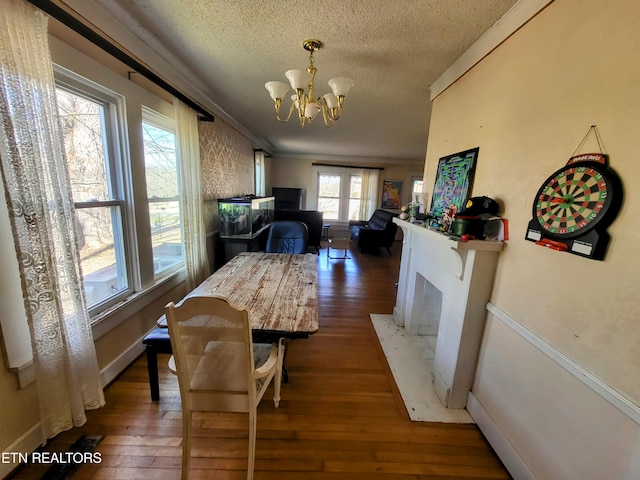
(507, 25)
(160, 62)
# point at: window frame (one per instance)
(114, 136)
(127, 142)
(345, 174)
(160, 121)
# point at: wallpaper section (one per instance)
(226, 158)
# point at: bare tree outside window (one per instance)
(161, 164)
(329, 196)
(96, 196)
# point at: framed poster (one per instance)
(391, 194)
(454, 178)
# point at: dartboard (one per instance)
(574, 199)
(574, 206)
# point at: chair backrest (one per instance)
(287, 237)
(380, 220)
(213, 351)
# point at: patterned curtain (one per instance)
(369, 194)
(38, 195)
(191, 198)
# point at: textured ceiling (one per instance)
(393, 50)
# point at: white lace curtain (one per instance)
(369, 194)
(35, 178)
(259, 172)
(192, 208)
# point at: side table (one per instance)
(325, 231)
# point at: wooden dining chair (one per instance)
(214, 359)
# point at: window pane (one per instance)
(166, 234)
(160, 162)
(85, 146)
(356, 187)
(100, 227)
(330, 207)
(161, 165)
(100, 248)
(354, 209)
(329, 196)
(329, 186)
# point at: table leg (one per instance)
(152, 367)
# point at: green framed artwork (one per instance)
(454, 179)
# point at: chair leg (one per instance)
(277, 381)
(253, 414)
(186, 443)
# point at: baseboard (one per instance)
(126, 358)
(25, 444)
(503, 448)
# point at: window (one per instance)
(355, 196)
(163, 192)
(89, 131)
(339, 192)
(329, 196)
(259, 173)
(123, 249)
(417, 193)
(416, 190)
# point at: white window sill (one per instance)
(120, 312)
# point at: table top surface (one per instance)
(279, 290)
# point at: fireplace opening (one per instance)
(426, 309)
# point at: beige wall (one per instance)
(298, 173)
(527, 106)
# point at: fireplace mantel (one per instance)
(452, 280)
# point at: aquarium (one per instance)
(244, 217)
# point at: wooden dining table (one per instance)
(280, 291)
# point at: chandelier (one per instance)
(304, 102)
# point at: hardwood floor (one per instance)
(340, 418)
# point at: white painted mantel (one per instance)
(441, 276)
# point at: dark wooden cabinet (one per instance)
(287, 198)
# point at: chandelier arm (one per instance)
(291, 109)
(302, 102)
(326, 115)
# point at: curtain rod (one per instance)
(345, 166)
(77, 26)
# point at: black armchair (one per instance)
(378, 231)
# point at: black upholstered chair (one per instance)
(287, 237)
(378, 231)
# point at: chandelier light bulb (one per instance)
(340, 86)
(331, 100)
(277, 90)
(311, 110)
(299, 79)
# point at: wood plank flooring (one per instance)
(340, 418)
